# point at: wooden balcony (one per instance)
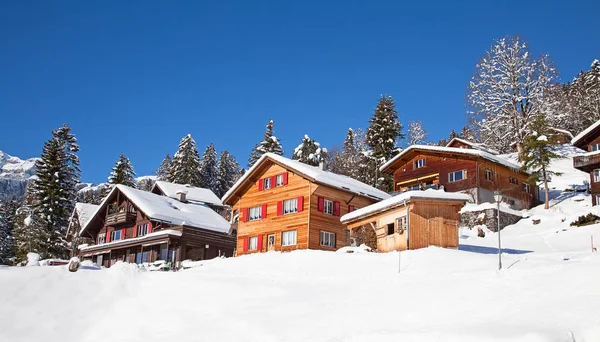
(122, 217)
(587, 163)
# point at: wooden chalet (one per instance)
(411, 220)
(282, 205)
(589, 140)
(462, 167)
(138, 226)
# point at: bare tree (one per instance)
(416, 134)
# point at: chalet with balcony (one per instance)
(137, 226)
(283, 205)
(589, 140)
(464, 167)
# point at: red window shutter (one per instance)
(246, 244)
(273, 184)
(123, 233)
(107, 238)
(134, 231)
(259, 243)
(149, 227)
(320, 204)
(260, 185)
(350, 208)
(263, 213)
(300, 203)
(244, 214)
(336, 208)
(285, 178)
(279, 208)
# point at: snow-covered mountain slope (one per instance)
(546, 291)
(14, 174)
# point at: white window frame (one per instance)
(597, 199)
(288, 238)
(489, 175)
(102, 238)
(327, 239)
(419, 163)
(279, 180)
(253, 243)
(402, 222)
(255, 213)
(142, 230)
(113, 235)
(452, 176)
(526, 188)
(328, 207)
(596, 147)
(290, 206)
(267, 183)
(596, 175)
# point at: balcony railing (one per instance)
(122, 217)
(586, 162)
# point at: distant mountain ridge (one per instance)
(14, 175)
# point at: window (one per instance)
(327, 239)
(513, 180)
(596, 176)
(279, 180)
(596, 147)
(255, 213)
(101, 238)
(290, 206)
(489, 175)
(420, 163)
(328, 207)
(115, 235)
(253, 243)
(402, 223)
(267, 183)
(597, 199)
(142, 229)
(288, 238)
(390, 229)
(414, 187)
(526, 187)
(457, 175)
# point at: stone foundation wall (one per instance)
(490, 220)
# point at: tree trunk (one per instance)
(547, 202)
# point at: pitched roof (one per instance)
(314, 174)
(585, 133)
(192, 193)
(399, 199)
(171, 211)
(477, 146)
(454, 150)
(85, 211)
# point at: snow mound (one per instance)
(126, 267)
(33, 259)
(360, 249)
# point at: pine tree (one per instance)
(228, 173)
(55, 188)
(537, 153)
(162, 173)
(29, 233)
(185, 166)
(350, 156)
(122, 173)
(309, 152)
(8, 210)
(416, 133)
(269, 144)
(145, 184)
(208, 169)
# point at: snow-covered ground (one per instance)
(549, 290)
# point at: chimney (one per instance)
(181, 196)
(322, 165)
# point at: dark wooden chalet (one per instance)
(138, 226)
(589, 140)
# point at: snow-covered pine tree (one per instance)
(185, 166)
(384, 130)
(416, 134)
(506, 92)
(309, 152)
(208, 169)
(538, 153)
(55, 188)
(228, 172)
(8, 210)
(122, 173)
(162, 173)
(29, 233)
(145, 184)
(269, 144)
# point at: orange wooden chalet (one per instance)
(137, 226)
(281, 205)
(589, 140)
(462, 166)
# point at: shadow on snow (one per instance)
(490, 250)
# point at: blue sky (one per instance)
(134, 77)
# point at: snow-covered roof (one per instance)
(192, 193)
(169, 210)
(85, 211)
(585, 132)
(466, 151)
(478, 146)
(563, 131)
(401, 198)
(315, 174)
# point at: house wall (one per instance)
(501, 182)
(434, 223)
(386, 242)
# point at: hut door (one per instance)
(271, 242)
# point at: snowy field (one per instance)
(549, 290)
